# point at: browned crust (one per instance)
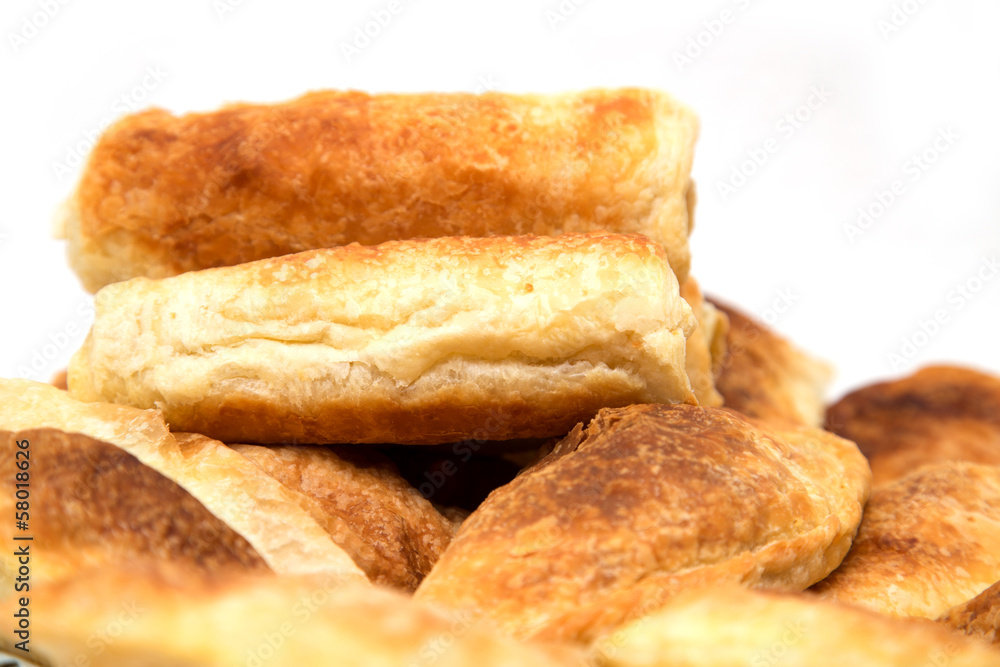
(93, 504)
(938, 414)
(979, 617)
(647, 501)
(763, 375)
(928, 542)
(387, 528)
(162, 194)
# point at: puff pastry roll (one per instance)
(161, 194)
(410, 342)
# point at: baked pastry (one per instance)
(163, 194)
(93, 504)
(647, 501)
(928, 541)
(938, 414)
(763, 375)
(706, 346)
(409, 342)
(167, 617)
(729, 626)
(268, 515)
(385, 525)
(979, 617)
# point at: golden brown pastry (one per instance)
(938, 414)
(162, 194)
(928, 542)
(411, 342)
(733, 626)
(92, 504)
(763, 375)
(170, 617)
(392, 532)
(706, 346)
(645, 502)
(268, 515)
(979, 617)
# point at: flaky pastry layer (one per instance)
(412, 342)
(268, 515)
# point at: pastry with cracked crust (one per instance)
(163, 194)
(763, 375)
(408, 342)
(268, 515)
(391, 531)
(647, 501)
(928, 541)
(938, 414)
(979, 617)
(162, 617)
(729, 626)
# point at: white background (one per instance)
(890, 87)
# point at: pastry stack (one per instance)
(426, 379)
